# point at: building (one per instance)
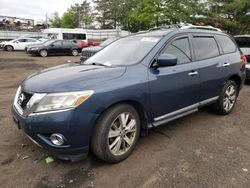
(16, 23)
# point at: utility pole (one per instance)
(46, 20)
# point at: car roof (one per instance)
(163, 32)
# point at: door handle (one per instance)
(226, 64)
(193, 73)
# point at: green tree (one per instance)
(68, 20)
(82, 13)
(153, 13)
(232, 16)
(56, 21)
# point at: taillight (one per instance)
(243, 62)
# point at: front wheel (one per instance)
(116, 133)
(9, 48)
(74, 52)
(227, 98)
(43, 53)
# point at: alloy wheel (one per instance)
(74, 52)
(9, 48)
(122, 134)
(229, 98)
(43, 53)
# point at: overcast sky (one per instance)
(34, 9)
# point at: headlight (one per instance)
(60, 101)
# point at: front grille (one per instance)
(23, 99)
(87, 53)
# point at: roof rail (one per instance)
(185, 26)
(172, 26)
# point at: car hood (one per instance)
(70, 77)
(92, 49)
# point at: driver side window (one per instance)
(181, 49)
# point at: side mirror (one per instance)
(52, 45)
(165, 60)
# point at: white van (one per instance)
(66, 34)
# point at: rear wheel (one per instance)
(9, 48)
(116, 133)
(74, 52)
(227, 99)
(43, 53)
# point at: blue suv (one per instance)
(138, 82)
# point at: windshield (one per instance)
(125, 51)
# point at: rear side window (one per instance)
(57, 43)
(205, 47)
(181, 49)
(67, 43)
(226, 44)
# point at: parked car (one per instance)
(136, 83)
(90, 51)
(18, 44)
(243, 42)
(54, 47)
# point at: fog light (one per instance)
(57, 139)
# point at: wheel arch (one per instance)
(45, 50)
(140, 108)
(5, 47)
(237, 79)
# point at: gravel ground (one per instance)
(200, 150)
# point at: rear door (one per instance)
(174, 90)
(30, 41)
(214, 67)
(66, 48)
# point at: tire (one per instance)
(74, 52)
(9, 48)
(43, 53)
(227, 99)
(109, 141)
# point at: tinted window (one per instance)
(67, 43)
(181, 49)
(30, 40)
(74, 36)
(205, 47)
(226, 44)
(57, 43)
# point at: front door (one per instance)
(175, 89)
(56, 47)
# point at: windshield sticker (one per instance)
(149, 39)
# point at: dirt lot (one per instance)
(201, 150)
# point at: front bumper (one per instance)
(75, 129)
(2, 46)
(30, 51)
